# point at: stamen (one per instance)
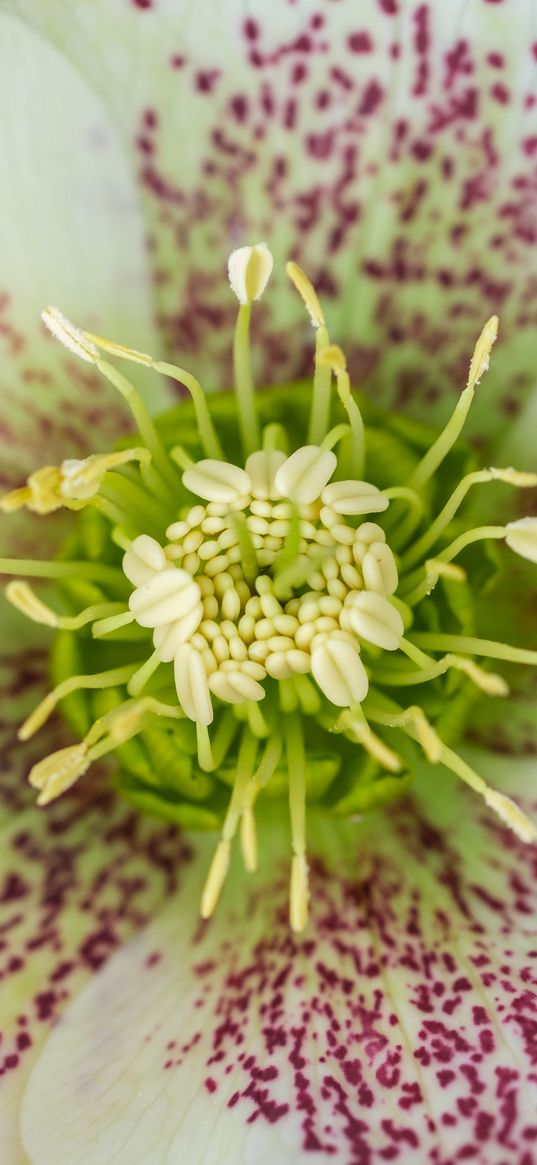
(58, 772)
(141, 677)
(25, 600)
(36, 568)
(353, 724)
(296, 760)
(244, 387)
(220, 863)
(144, 423)
(105, 626)
(488, 682)
(521, 537)
(479, 364)
(481, 476)
(320, 405)
(69, 335)
(469, 645)
(334, 359)
(304, 474)
(107, 679)
(503, 806)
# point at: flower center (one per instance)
(290, 605)
(276, 576)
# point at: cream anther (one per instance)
(521, 537)
(305, 473)
(166, 597)
(192, 685)
(69, 335)
(144, 559)
(375, 619)
(338, 670)
(354, 497)
(249, 270)
(217, 481)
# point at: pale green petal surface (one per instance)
(400, 1023)
(388, 146)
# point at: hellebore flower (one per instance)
(253, 588)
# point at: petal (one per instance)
(76, 880)
(389, 147)
(400, 1025)
(70, 232)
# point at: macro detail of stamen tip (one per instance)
(266, 634)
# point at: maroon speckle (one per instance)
(360, 42)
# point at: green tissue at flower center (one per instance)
(262, 597)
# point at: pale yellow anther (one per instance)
(57, 772)
(80, 479)
(262, 467)
(308, 293)
(511, 814)
(192, 685)
(144, 558)
(41, 494)
(521, 537)
(217, 481)
(69, 335)
(119, 350)
(215, 879)
(248, 839)
(375, 619)
(354, 497)
(299, 893)
(165, 598)
(333, 357)
(249, 270)
(514, 477)
(304, 474)
(356, 728)
(21, 595)
(379, 569)
(481, 357)
(338, 670)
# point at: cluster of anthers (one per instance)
(271, 592)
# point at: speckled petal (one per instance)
(76, 881)
(400, 1026)
(70, 232)
(389, 146)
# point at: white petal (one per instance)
(409, 995)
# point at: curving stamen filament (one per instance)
(107, 679)
(481, 476)
(220, 863)
(441, 447)
(296, 761)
